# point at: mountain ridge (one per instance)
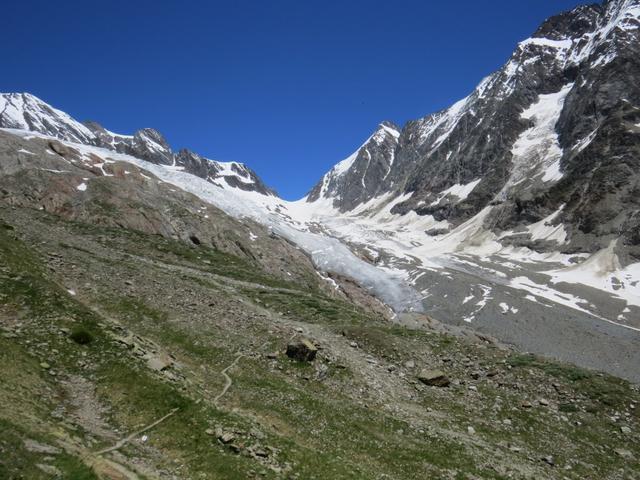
(28, 112)
(487, 136)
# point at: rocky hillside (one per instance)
(132, 355)
(556, 129)
(146, 334)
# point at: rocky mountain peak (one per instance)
(389, 128)
(361, 176)
(25, 111)
(386, 132)
(234, 174)
(573, 23)
(149, 144)
(153, 135)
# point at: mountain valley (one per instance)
(457, 299)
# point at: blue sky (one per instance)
(288, 87)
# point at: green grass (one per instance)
(328, 425)
(139, 398)
(81, 336)
(601, 388)
(16, 462)
(311, 307)
(74, 468)
(134, 310)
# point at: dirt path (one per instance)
(228, 379)
(121, 443)
(213, 277)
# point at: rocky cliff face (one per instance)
(362, 175)
(24, 111)
(557, 128)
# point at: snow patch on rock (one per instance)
(537, 150)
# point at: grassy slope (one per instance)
(355, 413)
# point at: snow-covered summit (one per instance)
(24, 111)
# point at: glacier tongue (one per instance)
(328, 253)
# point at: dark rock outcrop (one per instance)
(302, 350)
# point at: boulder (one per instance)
(549, 460)
(624, 453)
(61, 149)
(159, 362)
(434, 378)
(302, 350)
(226, 438)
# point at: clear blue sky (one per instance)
(287, 86)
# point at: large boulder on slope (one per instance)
(434, 378)
(302, 350)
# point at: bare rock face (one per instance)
(302, 350)
(434, 378)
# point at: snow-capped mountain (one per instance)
(556, 129)
(517, 209)
(368, 168)
(24, 111)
